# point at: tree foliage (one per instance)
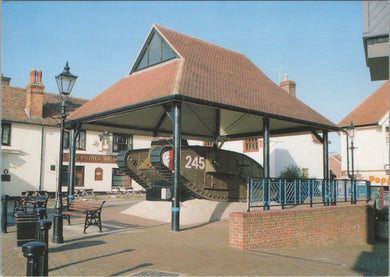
(291, 173)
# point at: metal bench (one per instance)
(90, 211)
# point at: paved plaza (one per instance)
(134, 246)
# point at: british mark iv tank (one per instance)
(206, 172)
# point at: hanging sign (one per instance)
(98, 174)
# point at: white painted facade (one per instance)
(32, 160)
(371, 152)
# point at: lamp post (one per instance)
(65, 83)
(351, 134)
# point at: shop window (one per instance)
(252, 145)
(79, 176)
(156, 51)
(66, 139)
(5, 133)
(121, 142)
(120, 179)
(80, 140)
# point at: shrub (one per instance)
(291, 173)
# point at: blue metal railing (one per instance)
(277, 192)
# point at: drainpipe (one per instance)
(347, 140)
(41, 159)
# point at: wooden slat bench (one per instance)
(91, 211)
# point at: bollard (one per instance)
(32, 251)
(40, 213)
(4, 212)
(42, 235)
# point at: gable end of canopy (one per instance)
(155, 50)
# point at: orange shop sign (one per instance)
(378, 180)
(89, 158)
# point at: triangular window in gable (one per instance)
(155, 51)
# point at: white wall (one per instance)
(303, 151)
(51, 138)
(20, 158)
(23, 159)
(371, 153)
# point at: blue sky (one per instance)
(318, 44)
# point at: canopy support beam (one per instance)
(266, 158)
(175, 224)
(74, 132)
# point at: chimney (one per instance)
(5, 81)
(34, 94)
(288, 85)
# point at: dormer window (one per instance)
(155, 51)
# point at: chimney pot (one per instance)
(33, 76)
(39, 75)
(286, 77)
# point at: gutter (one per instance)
(362, 125)
(183, 98)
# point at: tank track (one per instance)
(121, 160)
(155, 159)
(146, 167)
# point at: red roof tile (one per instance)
(13, 104)
(136, 88)
(371, 110)
(207, 72)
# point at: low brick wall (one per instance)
(318, 226)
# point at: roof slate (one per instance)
(13, 103)
(207, 72)
(371, 110)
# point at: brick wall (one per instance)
(34, 94)
(319, 226)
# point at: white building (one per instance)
(371, 142)
(30, 143)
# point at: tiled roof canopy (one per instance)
(371, 110)
(202, 73)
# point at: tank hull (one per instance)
(206, 173)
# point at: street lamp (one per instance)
(351, 134)
(65, 83)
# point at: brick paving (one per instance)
(133, 246)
